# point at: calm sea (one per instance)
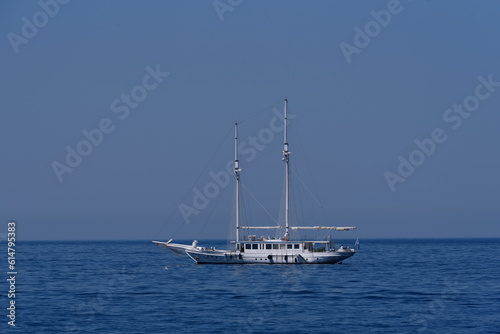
(389, 286)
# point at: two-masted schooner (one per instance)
(284, 250)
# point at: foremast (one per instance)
(286, 159)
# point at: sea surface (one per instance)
(389, 286)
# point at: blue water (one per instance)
(389, 286)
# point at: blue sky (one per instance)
(355, 115)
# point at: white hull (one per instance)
(228, 257)
(203, 255)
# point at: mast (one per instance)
(237, 171)
(286, 158)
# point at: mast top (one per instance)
(285, 141)
(236, 162)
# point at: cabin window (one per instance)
(289, 246)
(268, 246)
(296, 246)
(255, 246)
(248, 246)
(319, 247)
(275, 246)
(282, 246)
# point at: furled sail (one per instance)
(324, 228)
(258, 227)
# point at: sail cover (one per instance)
(259, 227)
(324, 228)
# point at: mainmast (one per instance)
(237, 171)
(286, 158)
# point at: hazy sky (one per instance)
(164, 82)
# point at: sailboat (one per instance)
(249, 249)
